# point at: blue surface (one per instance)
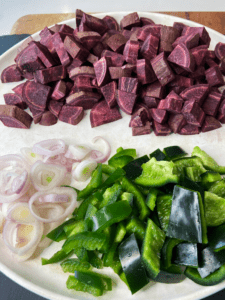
(7, 41)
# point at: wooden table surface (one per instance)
(33, 23)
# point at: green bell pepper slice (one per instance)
(58, 256)
(111, 195)
(158, 155)
(137, 227)
(58, 234)
(93, 199)
(151, 198)
(74, 264)
(113, 177)
(163, 207)
(133, 169)
(173, 152)
(218, 188)
(167, 252)
(214, 209)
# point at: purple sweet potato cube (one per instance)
(214, 76)
(138, 118)
(222, 107)
(116, 42)
(161, 129)
(128, 84)
(102, 70)
(71, 114)
(11, 74)
(210, 123)
(193, 113)
(94, 23)
(146, 129)
(129, 21)
(145, 72)
(14, 99)
(199, 54)
(116, 58)
(170, 104)
(150, 102)
(176, 122)
(155, 90)
(173, 95)
(130, 51)
(55, 107)
(126, 101)
(159, 115)
(221, 118)
(212, 103)
(204, 38)
(182, 56)
(59, 90)
(75, 49)
(153, 29)
(189, 129)
(190, 40)
(109, 93)
(181, 81)
(197, 92)
(150, 46)
(162, 69)
(220, 50)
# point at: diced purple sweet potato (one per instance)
(162, 69)
(19, 89)
(102, 114)
(43, 53)
(14, 99)
(204, 37)
(210, 63)
(173, 95)
(199, 73)
(28, 75)
(101, 68)
(145, 72)
(83, 27)
(165, 46)
(150, 102)
(55, 107)
(11, 74)
(94, 23)
(66, 29)
(181, 81)
(92, 58)
(59, 90)
(71, 114)
(193, 113)
(116, 42)
(146, 21)
(128, 84)
(170, 104)
(75, 49)
(210, 123)
(182, 57)
(169, 34)
(176, 89)
(83, 82)
(78, 16)
(189, 129)
(126, 33)
(88, 38)
(139, 105)
(64, 56)
(36, 114)
(33, 65)
(179, 26)
(139, 118)
(214, 76)
(129, 21)
(83, 99)
(150, 46)
(74, 64)
(109, 93)
(24, 44)
(146, 129)
(189, 40)
(155, 90)
(126, 101)
(117, 72)
(50, 74)
(199, 54)
(48, 119)
(176, 122)
(46, 32)
(159, 115)
(111, 23)
(220, 50)
(197, 92)
(149, 29)
(161, 129)
(116, 58)
(222, 107)
(221, 118)
(130, 51)
(13, 116)
(98, 48)
(83, 70)
(212, 103)
(36, 94)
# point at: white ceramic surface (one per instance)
(49, 281)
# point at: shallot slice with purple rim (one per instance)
(77, 152)
(99, 156)
(54, 198)
(49, 147)
(83, 170)
(29, 155)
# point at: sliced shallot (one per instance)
(99, 156)
(77, 152)
(29, 155)
(54, 198)
(20, 213)
(84, 170)
(50, 147)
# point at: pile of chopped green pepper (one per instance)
(158, 215)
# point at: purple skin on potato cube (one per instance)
(64, 56)
(19, 89)
(111, 23)
(88, 38)
(13, 116)
(83, 82)
(220, 50)
(182, 57)
(193, 113)
(149, 48)
(71, 114)
(101, 68)
(199, 73)
(146, 21)
(14, 99)
(171, 105)
(66, 29)
(176, 122)
(74, 64)
(116, 58)
(117, 72)
(102, 114)
(48, 119)
(11, 74)
(36, 114)
(150, 102)
(146, 129)
(55, 107)
(139, 105)
(59, 90)
(221, 118)
(149, 29)
(126, 101)
(196, 92)
(179, 26)
(83, 70)
(210, 123)
(214, 76)
(204, 38)
(199, 54)
(222, 107)
(181, 81)
(109, 93)
(128, 84)
(155, 90)
(169, 34)
(173, 95)
(75, 49)
(190, 40)
(212, 103)
(50, 74)
(145, 72)
(116, 42)
(189, 129)
(161, 129)
(98, 49)
(139, 118)
(162, 69)
(94, 23)
(83, 99)
(129, 21)
(159, 115)
(130, 51)
(78, 16)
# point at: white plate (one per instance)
(49, 281)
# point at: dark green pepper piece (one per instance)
(109, 215)
(214, 209)
(74, 228)
(137, 227)
(120, 161)
(167, 252)
(133, 169)
(173, 152)
(94, 199)
(116, 175)
(192, 185)
(58, 234)
(158, 154)
(132, 265)
(186, 254)
(74, 264)
(187, 220)
(169, 277)
(94, 260)
(218, 188)
(58, 256)
(216, 237)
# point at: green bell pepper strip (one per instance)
(74, 264)
(133, 169)
(137, 227)
(130, 187)
(94, 260)
(158, 155)
(116, 175)
(193, 173)
(74, 228)
(96, 181)
(58, 234)
(108, 169)
(119, 149)
(208, 162)
(125, 196)
(87, 240)
(120, 162)
(208, 178)
(91, 210)
(157, 173)
(111, 195)
(173, 152)
(167, 252)
(58, 256)
(214, 209)
(120, 233)
(108, 258)
(132, 264)
(151, 248)
(163, 205)
(182, 163)
(81, 253)
(186, 254)
(109, 215)
(124, 152)
(151, 198)
(216, 237)
(218, 188)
